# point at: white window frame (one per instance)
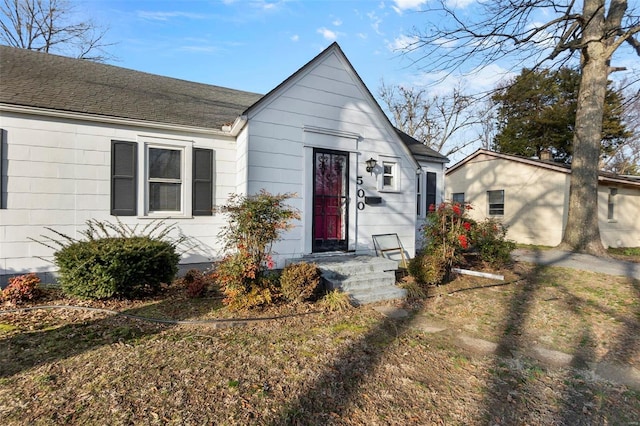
(394, 162)
(186, 169)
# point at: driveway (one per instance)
(584, 262)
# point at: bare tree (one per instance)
(625, 159)
(438, 121)
(49, 26)
(595, 29)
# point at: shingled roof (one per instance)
(419, 150)
(35, 79)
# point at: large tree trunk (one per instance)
(582, 232)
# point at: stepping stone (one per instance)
(391, 312)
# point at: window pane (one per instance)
(388, 169)
(458, 197)
(164, 196)
(496, 197)
(164, 163)
(388, 181)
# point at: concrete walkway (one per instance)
(626, 375)
(584, 262)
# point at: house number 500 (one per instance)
(360, 204)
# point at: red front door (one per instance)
(330, 196)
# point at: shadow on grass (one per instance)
(327, 397)
(29, 349)
(577, 401)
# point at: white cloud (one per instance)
(375, 22)
(402, 5)
(402, 43)
(459, 4)
(337, 22)
(363, 36)
(165, 16)
(478, 80)
(295, 37)
(328, 34)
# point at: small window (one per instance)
(458, 197)
(496, 202)
(611, 203)
(164, 180)
(388, 175)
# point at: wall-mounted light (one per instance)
(371, 163)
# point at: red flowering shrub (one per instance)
(21, 289)
(447, 231)
(255, 223)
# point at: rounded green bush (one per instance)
(116, 267)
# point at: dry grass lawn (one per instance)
(311, 367)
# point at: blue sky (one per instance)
(255, 45)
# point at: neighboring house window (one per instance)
(496, 202)
(611, 203)
(164, 181)
(419, 194)
(431, 189)
(458, 197)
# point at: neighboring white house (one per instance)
(531, 198)
(82, 140)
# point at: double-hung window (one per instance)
(390, 176)
(169, 180)
(496, 202)
(419, 194)
(164, 179)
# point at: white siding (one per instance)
(58, 176)
(326, 106)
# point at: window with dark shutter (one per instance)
(124, 160)
(431, 189)
(202, 182)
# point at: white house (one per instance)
(82, 140)
(531, 197)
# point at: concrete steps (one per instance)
(366, 279)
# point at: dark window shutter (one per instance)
(202, 182)
(431, 189)
(124, 182)
(2, 184)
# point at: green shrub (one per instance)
(300, 281)
(430, 268)
(116, 266)
(21, 289)
(489, 240)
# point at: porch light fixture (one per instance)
(371, 163)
